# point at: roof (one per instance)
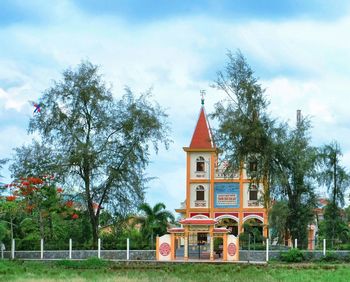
(202, 137)
(198, 221)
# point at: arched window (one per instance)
(200, 164)
(200, 193)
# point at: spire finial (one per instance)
(202, 94)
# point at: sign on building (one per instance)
(226, 195)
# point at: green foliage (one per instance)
(245, 131)
(293, 255)
(3, 231)
(100, 144)
(278, 220)
(332, 174)
(154, 221)
(330, 257)
(334, 227)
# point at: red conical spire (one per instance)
(202, 137)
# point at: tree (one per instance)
(103, 145)
(294, 177)
(245, 131)
(154, 220)
(332, 174)
(337, 180)
(281, 158)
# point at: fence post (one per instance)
(70, 248)
(13, 246)
(127, 249)
(296, 243)
(99, 248)
(41, 248)
(267, 249)
(324, 247)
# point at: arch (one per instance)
(227, 216)
(253, 216)
(200, 188)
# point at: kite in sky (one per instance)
(37, 108)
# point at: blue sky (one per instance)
(298, 49)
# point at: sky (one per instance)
(298, 49)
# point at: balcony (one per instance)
(200, 204)
(221, 173)
(253, 203)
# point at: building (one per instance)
(217, 204)
(211, 192)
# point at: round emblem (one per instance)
(231, 249)
(164, 249)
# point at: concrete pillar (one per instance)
(186, 247)
(41, 248)
(70, 248)
(211, 246)
(267, 249)
(99, 248)
(127, 249)
(13, 246)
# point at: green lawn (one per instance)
(95, 270)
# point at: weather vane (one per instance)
(202, 94)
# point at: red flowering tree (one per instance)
(40, 197)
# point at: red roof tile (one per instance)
(202, 138)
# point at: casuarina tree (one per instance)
(102, 144)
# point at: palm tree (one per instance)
(154, 221)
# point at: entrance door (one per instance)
(198, 246)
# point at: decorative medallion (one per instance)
(164, 249)
(231, 249)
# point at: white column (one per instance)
(186, 247)
(70, 248)
(295, 243)
(267, 249)
(13, 246)
(41, 248)
(324, 247)
(211, 247)
(127, 249)
(99, 248)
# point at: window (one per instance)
(200, 164)
(200, 193)
(253, 193)
(253, 166)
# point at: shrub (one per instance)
(330, 257)
(293, 255)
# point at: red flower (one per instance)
(11, 198)
(59, 190)
(75, 216)
(25, 183)
(69, 204)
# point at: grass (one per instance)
(97, 270)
